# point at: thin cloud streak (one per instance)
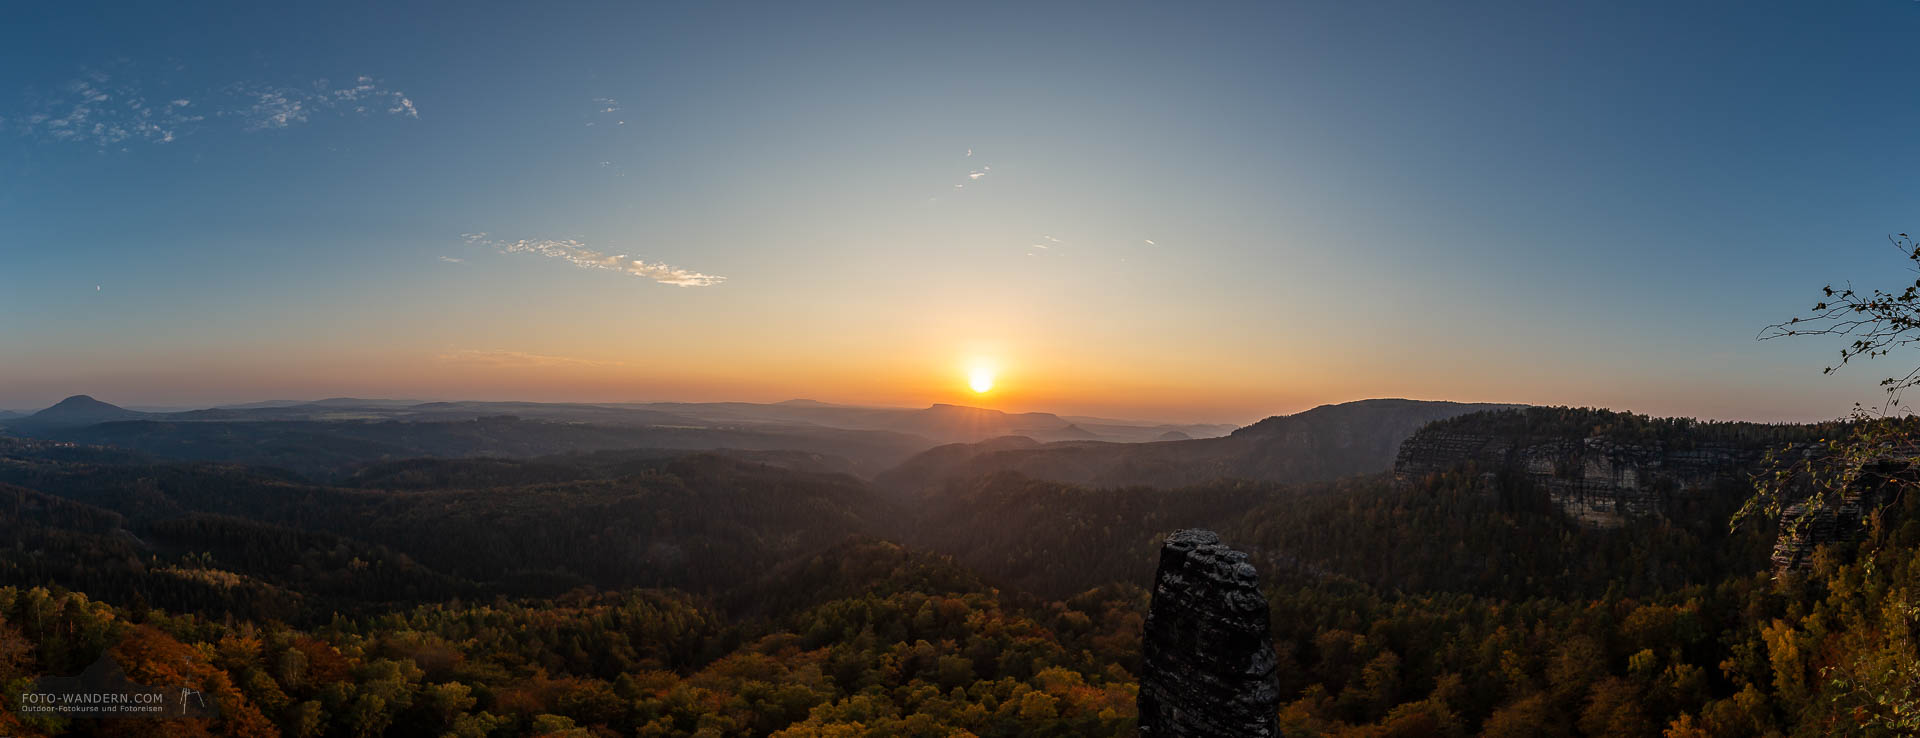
(280, 107)
(101, 110)
(576, 253)
(973, 176)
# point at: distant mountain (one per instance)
(329, 402)
(554, 411)
(1326, 442)
(802, 402)
(1173, 435)
(944, 423)
(1141, 431)
(348, 408)
(1075, 433)
(78, 410)
(263, 404)
(960, 423)
(363, 402)
(331, 449)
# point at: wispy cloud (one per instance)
(1044, 243)
(102, 110)
(607, 108)
(453, 260)
(974, 174)
(578, 254)
(279, 107)
(520, 359)
(274, 109)
(99, 111)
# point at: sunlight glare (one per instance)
(980, 379)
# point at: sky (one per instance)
(1173, 211)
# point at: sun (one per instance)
(980, 379)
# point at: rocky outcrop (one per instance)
(1603, 468)
(1805, 526)
(1209, 667)
(1598, 481)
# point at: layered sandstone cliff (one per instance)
(1209, 667)
(1805, 526)
(1598, 481)
(1603, 469)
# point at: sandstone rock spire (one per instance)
(1208, 670)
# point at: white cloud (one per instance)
(274, 110)
(95, 110)
(102, 110)
(973, 175)
(1151, 243)
(265, 107)
(453, 259)
(577, 254)
(607, 104)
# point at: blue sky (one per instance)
(1524, 202)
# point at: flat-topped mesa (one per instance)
(1209, 664)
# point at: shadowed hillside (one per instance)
(1326, 442)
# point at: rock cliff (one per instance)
(1603, 468)
(1842, 520)
(1598, 481)
(1209, 666)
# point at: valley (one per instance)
(752, 578)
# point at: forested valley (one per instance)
(652, 593)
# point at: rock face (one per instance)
(1208, 648)
(1599, 482)
(1603, 468)
(1842, 520)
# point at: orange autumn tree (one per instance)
(150, 656)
